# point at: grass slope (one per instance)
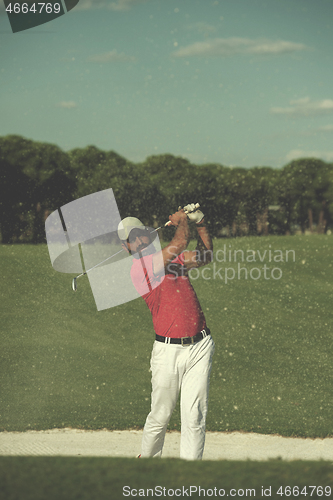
(40, 478)
(63, 364)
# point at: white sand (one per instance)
(219, 445)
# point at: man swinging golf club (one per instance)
(181, 359)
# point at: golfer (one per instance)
(181, 358)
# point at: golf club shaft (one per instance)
(101, 262)
(83, 274)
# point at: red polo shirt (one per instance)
(171, 299)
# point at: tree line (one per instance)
(37, 178)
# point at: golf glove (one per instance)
(191, 207)
(196, 216)
(193, 214)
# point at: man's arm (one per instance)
(178, 243)
(203, 254)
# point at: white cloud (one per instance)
(108, 57)
(224, 47)
(301, 153)
(305, 107)
(67, 104)
(326, 128)
(118, 5)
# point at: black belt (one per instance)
(184, 340)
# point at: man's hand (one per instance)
(177, 217)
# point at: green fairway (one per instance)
(63, 364)
(40, 478)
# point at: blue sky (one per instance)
(242, 82)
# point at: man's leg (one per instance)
(194, 399)
(165, 390)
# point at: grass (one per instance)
(63, 364)
(40, 478)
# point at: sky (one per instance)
(240, 83)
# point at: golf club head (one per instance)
(74, 287)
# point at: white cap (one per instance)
(126, 225)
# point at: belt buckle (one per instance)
(188, 343)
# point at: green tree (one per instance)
(258, 194)
(48, 167)
(179, 182)
(329, 199)
(303, 186)
(133, 188)
(94, 169)
(14, 201)
(208, 185)
(170, 175)
(168, 181)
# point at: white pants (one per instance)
(176, 367)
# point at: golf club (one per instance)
(74, 285)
